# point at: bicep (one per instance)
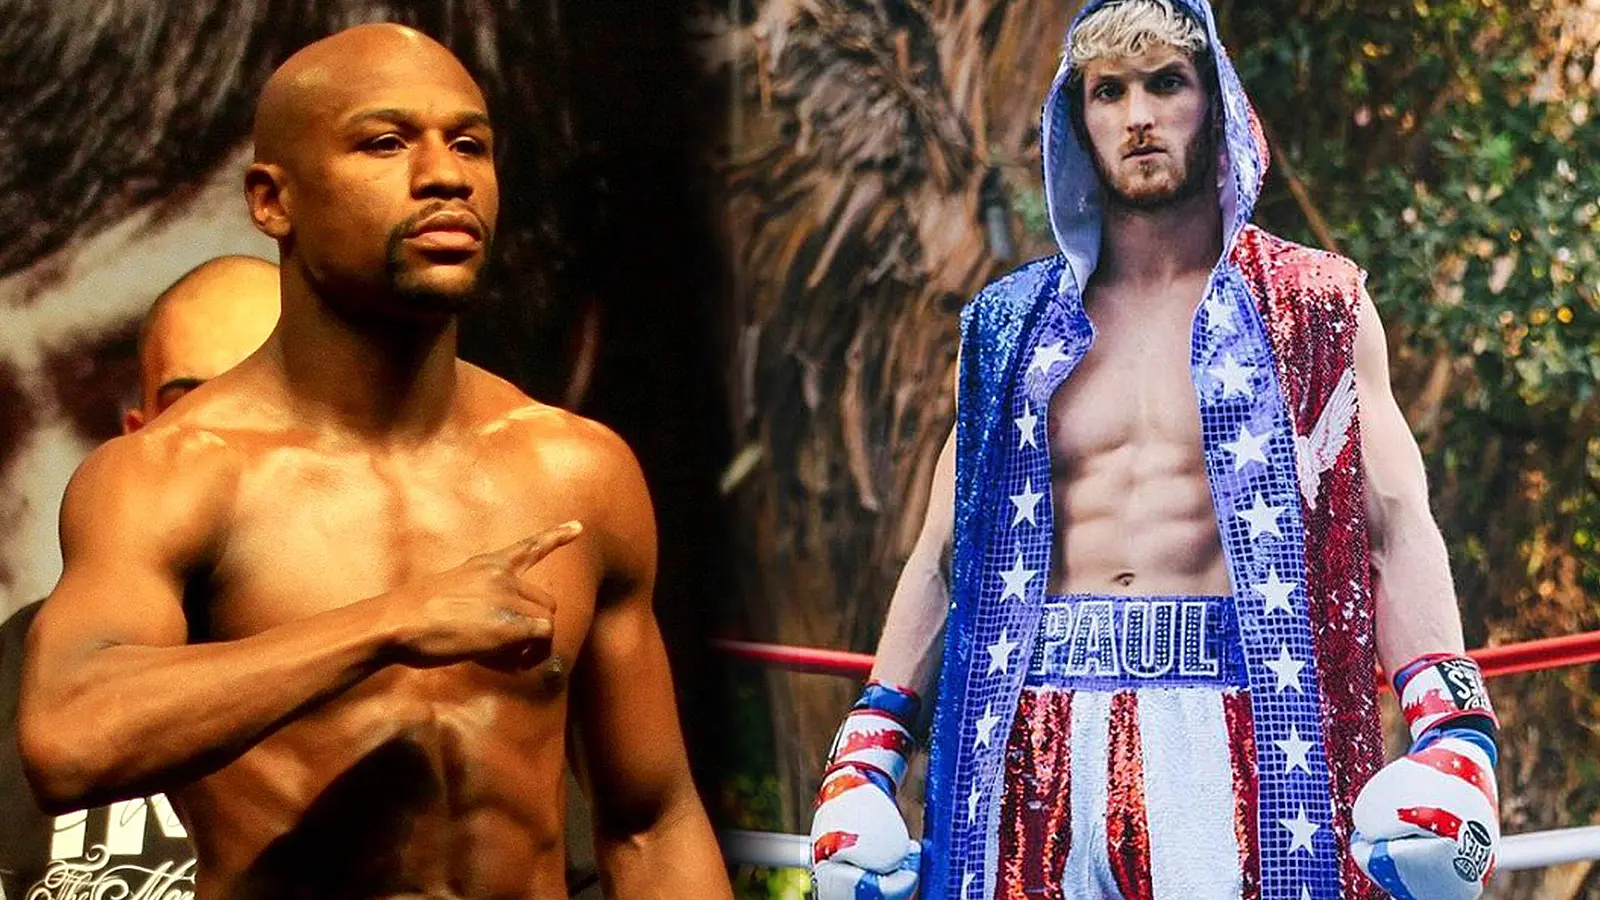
(121, 581)
(931, 552)
(627, 719)
(627, 713)
(939, 522)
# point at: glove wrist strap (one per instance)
(902, 703)
(1444, 690)
(876, 736)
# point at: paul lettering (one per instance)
(1134, 640)
(1197, 657)
(1148, 638)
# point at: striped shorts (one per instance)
(1130, 767)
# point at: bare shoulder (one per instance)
(575, 462)
(170, 482)
(559, 442)
(1372, 349)
(162, 457)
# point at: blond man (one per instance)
(1184, 521)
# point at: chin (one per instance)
(435, 291)
(430, 303)
(1145, 195)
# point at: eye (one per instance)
(1106, 90)
(470, 146)
(384, 144)
(1170, 82)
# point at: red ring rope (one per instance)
(1506, 659)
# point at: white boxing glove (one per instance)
(1426, 826)
(860, 848)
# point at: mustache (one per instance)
(1141, 143)
(409, 224)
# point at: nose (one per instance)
(436, 171)
(1141, 110)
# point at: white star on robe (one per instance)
(1219, 315)
(1235, 378)
(1016, 579)
(972, 803)
(1305, 893)
(1000, 653)
(1262, 516)
(1276, 591)
(1248, 447)
(1027, 503)
(1287, 668)
(986, 726)
(1295, 750)
(1028, 426)
(966, 882)
(1301, 829)
(1046, 357)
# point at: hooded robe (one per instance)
(1280, 441)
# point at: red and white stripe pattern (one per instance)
(1120, 795)
(860, 847)
(1427, 824)
(874, 740)
(1438, 688)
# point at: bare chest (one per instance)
(315, 531)
(1131, 392)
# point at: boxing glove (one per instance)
(860, 848)
(1427, 824)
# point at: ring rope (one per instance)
(1533, 850)
(1505, 659)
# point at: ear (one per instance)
(132, 420)
(266, 192)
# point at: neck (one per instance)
(386, 378)
(1145, 248)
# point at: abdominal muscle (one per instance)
(1132, 505)
(1134, 523)
(387, 794)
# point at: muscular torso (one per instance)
(1132, 505)
(437, 782)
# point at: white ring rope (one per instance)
(1534, 850)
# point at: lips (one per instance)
(1138, 152)
(448, 230)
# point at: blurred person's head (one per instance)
(203, 325)
(374, 171)
(1144, 101)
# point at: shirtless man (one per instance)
(1178, 523)
(340, 601)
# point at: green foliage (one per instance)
(751, 795)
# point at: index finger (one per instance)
(524, 554)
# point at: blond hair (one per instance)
(1132, 28)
